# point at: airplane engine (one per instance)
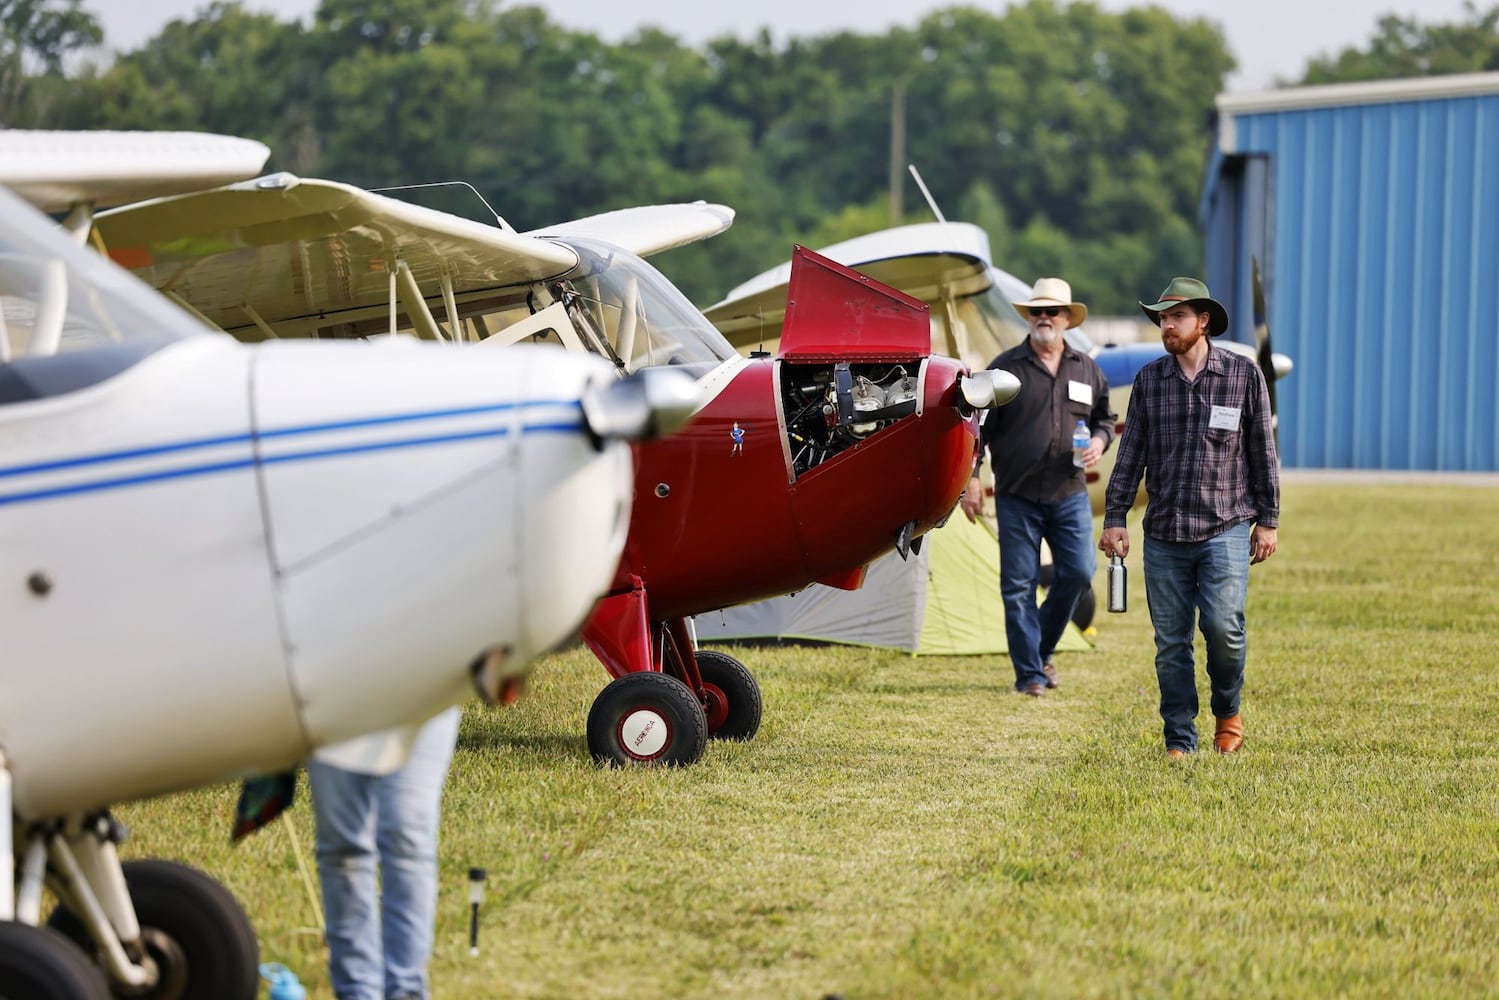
(832, 407)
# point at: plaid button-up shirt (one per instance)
(1206, 448)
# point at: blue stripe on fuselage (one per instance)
(209, 468)
(214, 442)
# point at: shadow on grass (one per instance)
(535, 744)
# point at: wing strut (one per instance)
(450, 303)
(421, 316)
(260, 323)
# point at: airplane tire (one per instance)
(1087, 604)
(199, 937)
(37, 963)
(733, 697)
(648, 719)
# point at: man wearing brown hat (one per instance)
(1039, 490)
(1199, 430)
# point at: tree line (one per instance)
(1074, 136)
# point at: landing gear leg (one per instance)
(162, 930)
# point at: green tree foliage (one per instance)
(1401, 48)
(1076, 137)
(36, 38)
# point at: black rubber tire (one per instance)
(731, 680)
(667, 702)
(193, 927)
(37, 963)
(1087, 602)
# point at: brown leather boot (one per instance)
(1229, 735)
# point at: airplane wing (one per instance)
(299, 255)
(649, 229)
(55, 170)
(930, 261)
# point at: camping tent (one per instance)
(941, 601)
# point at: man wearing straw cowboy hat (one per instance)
(1039, 491)
(1199, 429)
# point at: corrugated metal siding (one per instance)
(1384, 274)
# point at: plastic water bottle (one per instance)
(284, 982)
(1080, 441)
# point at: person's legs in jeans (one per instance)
(410, 802)
(1020, 526)
(1223, 585)
(343, 803)
(1171, 594)
(1069, 533)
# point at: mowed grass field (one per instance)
(909, 827)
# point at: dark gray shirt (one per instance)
(1030, 438)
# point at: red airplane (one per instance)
(799, 468)
(852, 440)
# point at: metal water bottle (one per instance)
(1118, 583)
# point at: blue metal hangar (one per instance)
(1371, 213)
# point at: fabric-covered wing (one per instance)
(300, 254)
(56, 169)
(648, 229)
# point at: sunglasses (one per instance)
(1047, 310)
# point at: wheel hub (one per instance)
(715, 706)
(644, 733)
(166, 964)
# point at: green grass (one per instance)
(909, 827)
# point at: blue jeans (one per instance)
(1191, 584)
(390, 820)
(1067, 526)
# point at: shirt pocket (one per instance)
(1222, 437)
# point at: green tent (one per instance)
(942, 601)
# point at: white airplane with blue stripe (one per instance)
(217, 559)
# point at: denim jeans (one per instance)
(363, 821)
(1067, 526)
(1191, 584)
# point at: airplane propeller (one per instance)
(989, 388)
(1275, 366)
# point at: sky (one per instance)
(1271, 39)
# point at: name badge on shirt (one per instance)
(1080, 392)
(1224, 418)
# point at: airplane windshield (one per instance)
(629, 312)
(57, 298)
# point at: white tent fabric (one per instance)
(941, 601)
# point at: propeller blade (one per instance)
(1267, 357)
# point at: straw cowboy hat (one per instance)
(1055, 292)
(1190, 291)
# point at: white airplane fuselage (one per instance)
(224, 557)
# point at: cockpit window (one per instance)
(626, 310)
(60, 303)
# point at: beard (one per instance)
(1181, 343)
(1045, 335)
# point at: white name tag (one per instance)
(1224, 418)
(1080, 392)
